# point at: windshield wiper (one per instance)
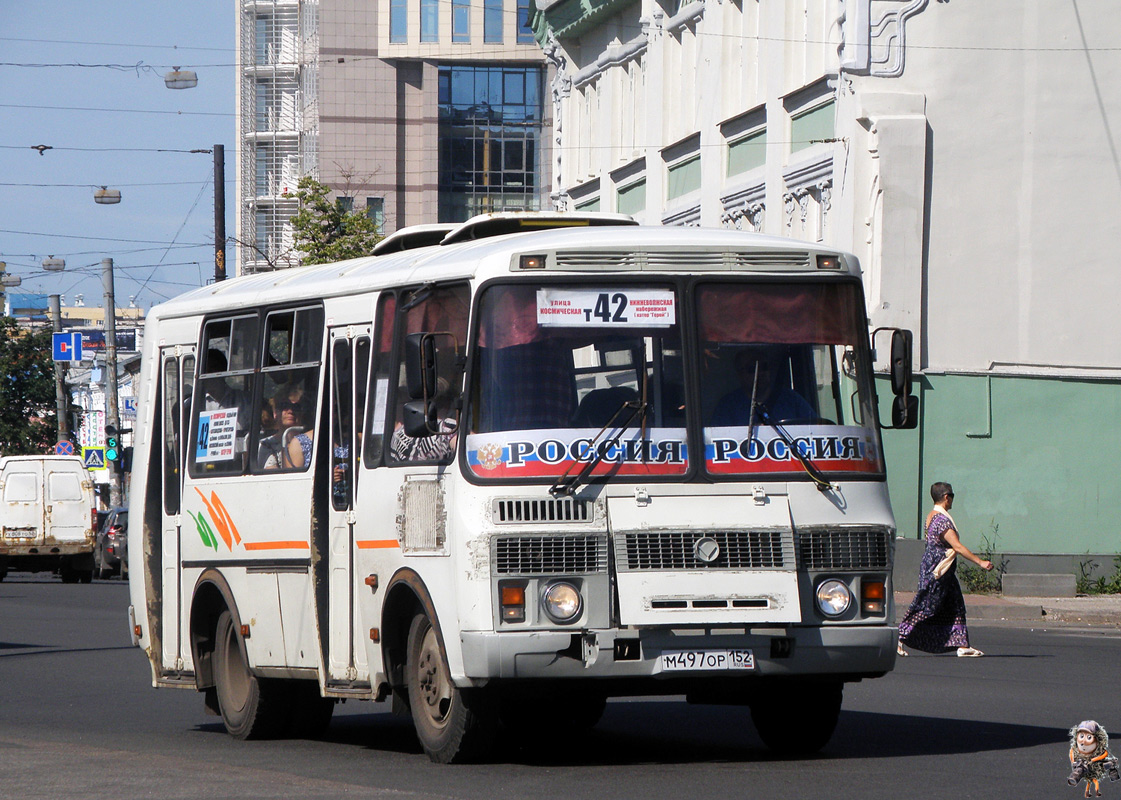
(567, 483)
(819, 480)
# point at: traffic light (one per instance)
(112, 444)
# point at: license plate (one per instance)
(686, 660)
(20, 533)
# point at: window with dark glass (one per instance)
(491, 120)
(492, 21)
(525, 22)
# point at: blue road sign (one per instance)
(93, 457)
(67, 346)
(64, 449)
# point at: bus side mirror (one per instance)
(901, 362)
(420, 365)
(905, 412)
(419, 419)
(905, 406)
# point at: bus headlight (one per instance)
(562, 602)
(833, 598)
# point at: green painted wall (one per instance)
(1034, 461)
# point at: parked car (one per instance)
(111, 551)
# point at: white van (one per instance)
(48, 516)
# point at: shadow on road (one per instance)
(634, 733)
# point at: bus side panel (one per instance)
(296, 607)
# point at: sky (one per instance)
(86, 79)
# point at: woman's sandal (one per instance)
(899, 651)
(969, 652)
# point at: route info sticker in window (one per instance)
(216, 433)
(616, 308)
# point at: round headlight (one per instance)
(562, 602)
(833, 598)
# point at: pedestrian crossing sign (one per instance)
(93, 457)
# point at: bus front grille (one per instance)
(549, 555)
(844, 548)
(517, 510)
(677, 550)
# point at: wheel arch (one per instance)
(405, 596)
(211, 596)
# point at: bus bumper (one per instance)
(847, 652)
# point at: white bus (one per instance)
(548, 460)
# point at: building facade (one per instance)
(415, 111)
(967, 155)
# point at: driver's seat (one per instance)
(599, 406)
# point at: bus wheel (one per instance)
(799, 721)
(452, 724)
(252, 708)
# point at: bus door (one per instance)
(349, 369)
(177, 376)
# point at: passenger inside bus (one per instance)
(766, 370)
(438, 447)
(290, 448)
(297, 434)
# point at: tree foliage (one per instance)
(325, 231)
(28, 424)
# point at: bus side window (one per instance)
(441, 310)
(378, 396)
(220, 414)
(285, 416)
(172, 434)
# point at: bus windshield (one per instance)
(784, 365)
(569, 374)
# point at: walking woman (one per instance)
(935, 622)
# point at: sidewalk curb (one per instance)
(1099, 610)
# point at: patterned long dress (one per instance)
(935, 622)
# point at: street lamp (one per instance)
(107, 197)
(181, 79)
(53, 264)
(10, 280)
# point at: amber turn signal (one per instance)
(872, 597)
(512, 598)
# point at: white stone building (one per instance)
(967, 153)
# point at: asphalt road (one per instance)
(79, 719)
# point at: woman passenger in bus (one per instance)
(298, 453)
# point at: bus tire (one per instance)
(452, 724)
(252, 707)
(798, 722)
